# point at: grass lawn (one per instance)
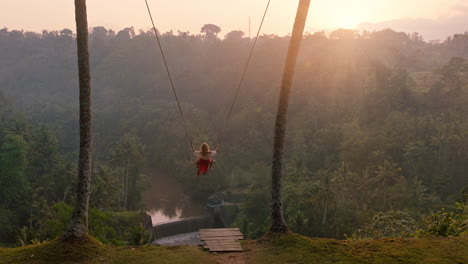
(94, 252)
(298, 249)
(271, 249)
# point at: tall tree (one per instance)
(278, 225)
(78, 227)
(210, 30)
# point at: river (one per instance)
(166, 201)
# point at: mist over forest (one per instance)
(377, 127)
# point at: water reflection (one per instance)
(159, 216)
(167, 202)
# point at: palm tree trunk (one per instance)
(30, 211)
(325, 211)
(122, 190)
(384, 199)
(278, 225)
(126, 184)
(438, 156)
(78, 227)
(463, 168)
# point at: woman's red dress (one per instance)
(203, 165)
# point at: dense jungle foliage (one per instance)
(377, 130)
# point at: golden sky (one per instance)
(190, 15)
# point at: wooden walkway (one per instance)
(222, 239)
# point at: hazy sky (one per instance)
(190, 15)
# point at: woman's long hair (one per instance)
(204, 148)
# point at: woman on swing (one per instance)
(204, 158)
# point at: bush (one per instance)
(444, 223)
(388, 224)
(8, 224)
(101, 224)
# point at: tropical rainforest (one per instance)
(377, 135)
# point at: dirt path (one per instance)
(231, 258)
(238, 257)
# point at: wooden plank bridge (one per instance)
(222, 239)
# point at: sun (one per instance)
(335, 14)
(347, 22)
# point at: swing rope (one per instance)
(243, 75)
(238, 86)
(169, 74)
